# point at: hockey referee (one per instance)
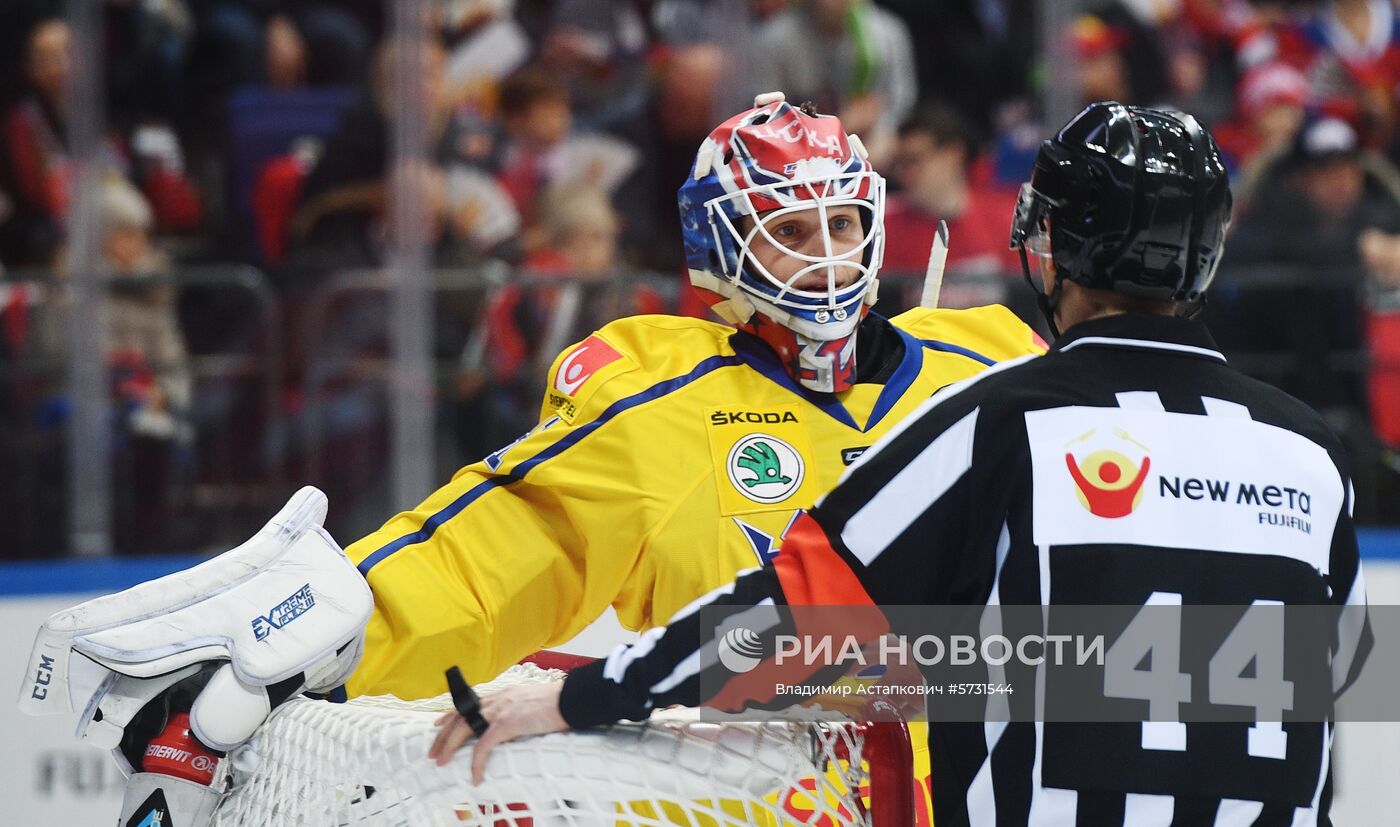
(1066, 478)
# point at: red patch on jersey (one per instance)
(590, 356)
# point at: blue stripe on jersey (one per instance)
(911, 364)
(949, 347)
(455, 507)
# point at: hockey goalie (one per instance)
(671, 453)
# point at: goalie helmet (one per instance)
(755, 170)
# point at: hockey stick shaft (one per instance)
(937, 259)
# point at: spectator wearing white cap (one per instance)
(148, 370)
(145, 349)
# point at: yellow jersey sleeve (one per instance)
(525, 548)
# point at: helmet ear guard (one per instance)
(736, 309)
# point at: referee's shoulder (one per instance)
(1279, 408)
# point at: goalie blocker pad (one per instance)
(285, 607)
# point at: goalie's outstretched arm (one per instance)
(519, 551)
(660, 669)
(675, 664)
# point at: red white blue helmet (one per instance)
(764, 164)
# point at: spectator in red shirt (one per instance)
(565, 293)
(35, 157)
(540, 150)
(1350, 53)
(35, 162)
(529, 323)
(1270, 102)
(934, 171)
(1100, 70)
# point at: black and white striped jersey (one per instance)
(1129, 466)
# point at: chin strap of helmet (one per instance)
(1045, 301)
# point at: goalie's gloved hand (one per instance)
(281, 614)
(228, 711)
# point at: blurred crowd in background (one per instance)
(257, 138)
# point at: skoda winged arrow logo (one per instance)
(764, 468)
(761, 459)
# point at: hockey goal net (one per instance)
(364, 762)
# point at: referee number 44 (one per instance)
(1257, 638)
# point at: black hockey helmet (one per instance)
(1138, 201)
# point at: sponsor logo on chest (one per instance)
(762, 458)
(764, 468)
(737, 417)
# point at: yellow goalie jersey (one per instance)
(671, 454)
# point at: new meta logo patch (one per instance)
(1107, 479)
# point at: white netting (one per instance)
(364, 762)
